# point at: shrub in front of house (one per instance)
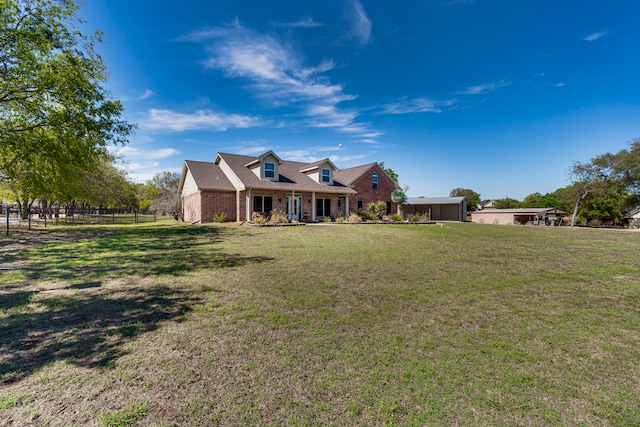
(341, 219)
(397, 218)
(278, 217)
(354, 218)
(219, 217)
(418, 218)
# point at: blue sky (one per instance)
(499, 96)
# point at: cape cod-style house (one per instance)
(241, 187)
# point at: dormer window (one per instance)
(326, 176)
(269, 170)
(374, 181)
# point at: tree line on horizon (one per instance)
(606, 187)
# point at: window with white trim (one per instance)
(269, 170)
(326, 175)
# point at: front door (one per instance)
(293, 209)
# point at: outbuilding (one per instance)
(437, 208)
(531, 216)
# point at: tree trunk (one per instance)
(579, 200)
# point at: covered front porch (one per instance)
(295, 205)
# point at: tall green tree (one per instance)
(54, 108)
(392, 174)
(472, 198)
(588, 180)
(507, 203)
(539, 200)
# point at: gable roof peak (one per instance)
(315, 165)
(261, 157)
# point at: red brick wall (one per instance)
(368, 195)
(218, 202)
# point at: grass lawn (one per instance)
(162, 324)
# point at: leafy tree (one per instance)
(538, 200)
(392, 174)
(602, 206)
(55, 113)
(507, 203)
(107, 187)
(472, 198)
(167, 199)
(623, 168)
(588, 180)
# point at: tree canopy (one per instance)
(506, 203)
(56, 117)
(472, 198)
(392, 174)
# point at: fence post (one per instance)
(7, 219)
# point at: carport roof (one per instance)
(435, 201)
(521, 211)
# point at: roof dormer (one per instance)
(266, 166)
(320, 171)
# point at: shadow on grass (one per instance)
(143, 252)
(104, 305)
(87, 330)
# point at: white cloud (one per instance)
(559, 84)
(303, 23)
(417, 105)
(178, 122)
(360, 23)
(277, 72)
(594, 36)
(484, 88)
(148, 93)
(130, 152)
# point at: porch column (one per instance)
(248, 205)
(313, 206)
(238, 206)
(291, 204)
(346, 205)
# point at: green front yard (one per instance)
(162, 324)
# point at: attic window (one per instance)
(269, 170)
(374, 181)
(326, 175)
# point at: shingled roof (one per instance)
(291, 178)
(207, 175)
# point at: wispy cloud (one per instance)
(278, 73)
(595, 36)
(360, 24)
(248, 148)
(178, 122)
(484, 88)
(138, 153)
(303, 23)
(148, 93)
(417, 105)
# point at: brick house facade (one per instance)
(241, 187)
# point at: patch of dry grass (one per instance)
(378, 325)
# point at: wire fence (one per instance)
(13, 221)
